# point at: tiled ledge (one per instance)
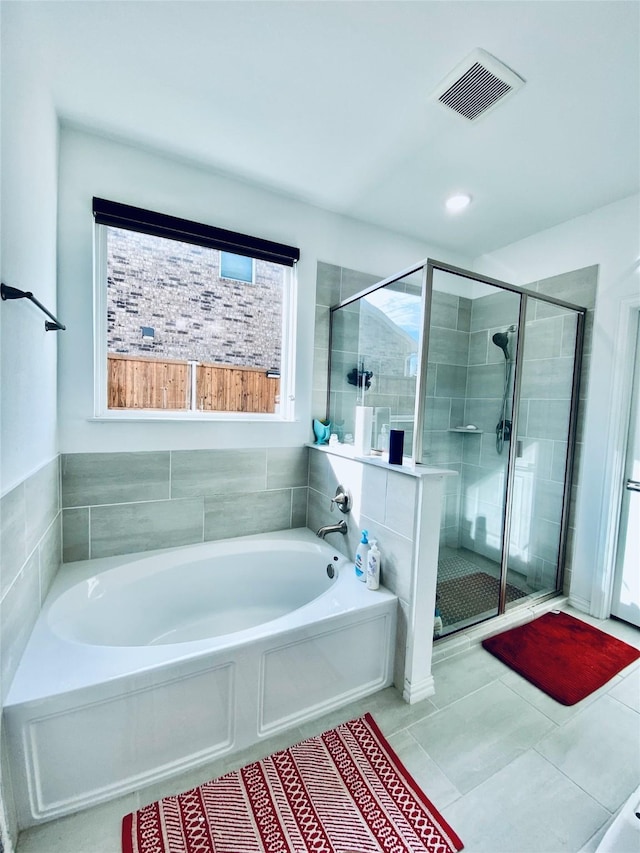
(346, 451)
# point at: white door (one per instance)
(625, 603)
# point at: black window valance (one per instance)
(160, 225)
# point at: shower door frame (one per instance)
(429, 266)
(525, 294)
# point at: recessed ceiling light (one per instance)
(458, 202)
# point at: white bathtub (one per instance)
(141, 667)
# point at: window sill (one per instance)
(147, 415)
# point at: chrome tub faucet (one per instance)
(340, 527)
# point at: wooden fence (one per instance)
(139, 382)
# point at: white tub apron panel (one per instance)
(127, 678)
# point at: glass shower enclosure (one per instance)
(483, 377)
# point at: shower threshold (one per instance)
(466, 638)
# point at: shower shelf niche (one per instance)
(465, 430)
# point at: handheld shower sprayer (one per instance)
(501, 340)
(503, 428)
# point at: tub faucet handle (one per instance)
(342, 500)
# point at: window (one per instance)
(236, 267)
(191, 320)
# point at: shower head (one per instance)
(501, 339)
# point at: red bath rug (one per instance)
(562, 655)
(344, 791)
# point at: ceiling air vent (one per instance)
(478, 84)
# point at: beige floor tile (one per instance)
(458, 676)
(527, 807)
(393, 714)
(96, 830)
(599, 749)
(478, 735)
(438, 788)
(592, 844)
(627, 690)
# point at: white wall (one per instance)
(28, 354)
(91, 165)
(29, 204)
(609, 237)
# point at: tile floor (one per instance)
(509, 768)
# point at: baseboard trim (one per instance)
(413, 693)
(581, 604)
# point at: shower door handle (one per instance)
(633, 485)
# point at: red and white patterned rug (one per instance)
(344, 791)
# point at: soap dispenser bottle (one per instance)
(362, 553)
(383, 439)
(373, 566)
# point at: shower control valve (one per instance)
(342, 500)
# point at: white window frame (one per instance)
(285, 411)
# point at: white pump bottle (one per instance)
(373, 566)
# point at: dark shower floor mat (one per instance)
(462, 598)
(459, 562)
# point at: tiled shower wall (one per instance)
(465, 383)
(542, 428)
(579, 287)
(545, 405)
(446, 389)
(483, 480)
(334, 284)
(119, 503)
(363, 336)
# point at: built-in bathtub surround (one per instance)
(181, 656)
(120, 503)
(30, 554)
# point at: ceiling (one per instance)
(329, 102)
